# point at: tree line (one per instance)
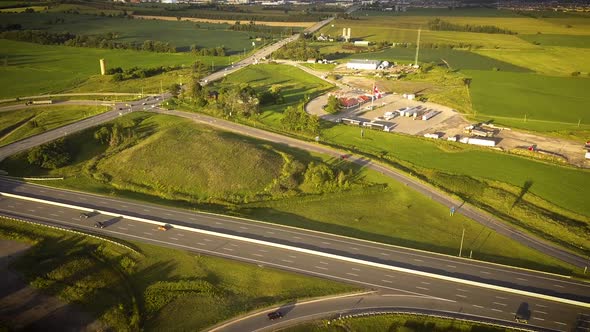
(298, 50)
(439, 25)
(135, 72)
(94, 41)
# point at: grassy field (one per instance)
(559, 101)
(16, 125)
(227, 173)
(151, 289)
(558, 40)
(180, 34)
(401, 323)
(39, 69)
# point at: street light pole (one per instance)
(462, 237)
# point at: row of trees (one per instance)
(298, 50)
(135, 72)
(95, 41)
(439, 25)
(252, 26)
(213, 51)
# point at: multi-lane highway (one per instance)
(470, 299)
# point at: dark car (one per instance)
(523, 313)
(84, 215)
(275, 315)
(99, 224)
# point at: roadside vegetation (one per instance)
(151, 287)
(179, 163)
(400, 322)
(20, 124)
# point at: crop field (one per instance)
(152, 289)
(560, 101)
(33, 69)
(17, 125)
(224, 172)
(457, 59)
(558, 40)
(180, 34)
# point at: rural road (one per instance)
(462, 296)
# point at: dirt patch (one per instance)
(22, 307)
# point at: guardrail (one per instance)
(316, 253)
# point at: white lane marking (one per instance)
(208, 240)
(452, 266)
(233, 244)
(537, 318)
(540, 305)
(82, 198)
(262, 250)
(42, 191)
(146, 210)
(500, 297)
(258, 255)
(500, 303)
(286, 261)
(123, 228)
(228, 249)
(133, 225)
(53, 215)
(384, 254)
(31, 210)
(320, 267)
(522, 279)
(291, 256)
(297, 237)
(173, 238)
(11, 206)
(193, 219)
(424, 283)
(486, 272)
(418, 260)
(462, 290)
(478, 306)
(390, 276)
(201, 243)
(168, 214)
(355, 269)
(325, 263)
(76, 219)
(242, 227)
(354, 248)
(423, 288)
(387, 281)
(103, 202)
(560, 323)
(540, 312)
(269, 232)
(327, 243)
(147, 233)
(124, 206)
(558, 286)
(180, 234)
(218, 223)
(498, 310)
(459, 295)
(352, 274)
(60, 211)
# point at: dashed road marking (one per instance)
(325, 263)
(53, 215)
(123, 228)
(228, 249)
(180, 234)
(291, 256)
(424, 283)
(500, 297)
(387, 281)
(522, 279)
(326, 243)
(352, 274)
(452, 266)
(354, 248)
(168, 214)
(486, 272)
(258, 255)
(537, 318)
(173, 238)
(11, 206)
(422, 288)
(320, 267)
(147, 233)
(559, 286)
(478, 306)
(462, 290)
(286, 261)
(498, 310)
(560, 323)
(269, 232)
(540, 312)
(201, 243)
(459, 295)
(355, 269)
(297, 237)
(242, 227)
(384, 254)
(208, 240)
(499, 303)
(390, 276)
(418, 260)
(540, 305)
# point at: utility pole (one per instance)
(417, 48)
(462, 237)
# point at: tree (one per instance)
(333, 105)
(51, 155)
(102, 135)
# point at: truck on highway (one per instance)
(42, 102)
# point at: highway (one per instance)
(457, 298)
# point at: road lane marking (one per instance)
(124, 206)
(262, 250)
(193, 219)
(258, 255)
(387, 281)
(269, 232)
(325, 263)
(486, 272)
(291, 256)
(42, 191)
(390, 276)
(384, 254)
(499, 303)
(320, 267)
(459, 295)
(423, 288)
(133, 225)
(123, 228)
(53, 215)
(82, 198)
(560, 323)
(168, 214)
(326, 243)
(498, 310)
(500, 297)
(452, 266)
(208, 240)
(146, 210)
(233, 244)
(540, 312)
(424, 283)
(201, 243)
(228, 249)
(242, 227)
(418, 260)
(218, 223)
(462, 290)
(286, 261)
(147, 233)
(297, 237)
(355, 269)
(11, 206)
(559, 286)
(352, 274)
(75, 219)
(540, 305)
(173, 238)
(180, 234)
(537, 318)
(478, 306)
(522, 279)
(354, 248)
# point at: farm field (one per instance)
(20, 124)
(238, 175)
(151, 289)
(40, 69)
(580, 41)
(180, 34)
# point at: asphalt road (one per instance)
(395, 288)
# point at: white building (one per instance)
(363, 64)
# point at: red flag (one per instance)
(376, 92)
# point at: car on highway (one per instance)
(164, 227)
(99, 224)
(84, 215)
(274, 315)
(523, 313)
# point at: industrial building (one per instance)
(363, 64)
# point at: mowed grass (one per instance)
(558, 40)
(558, 101)
(152, 289)
(20, 124)
(180, 34)
(34, 69)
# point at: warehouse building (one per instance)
(363, 64)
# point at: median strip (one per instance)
(315, 253)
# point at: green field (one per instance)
(223, 172)
(180, 34)
(558, 40)
(156, 289)
(40, 69)
(16, 125)
(558, 101)
(390, 323)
